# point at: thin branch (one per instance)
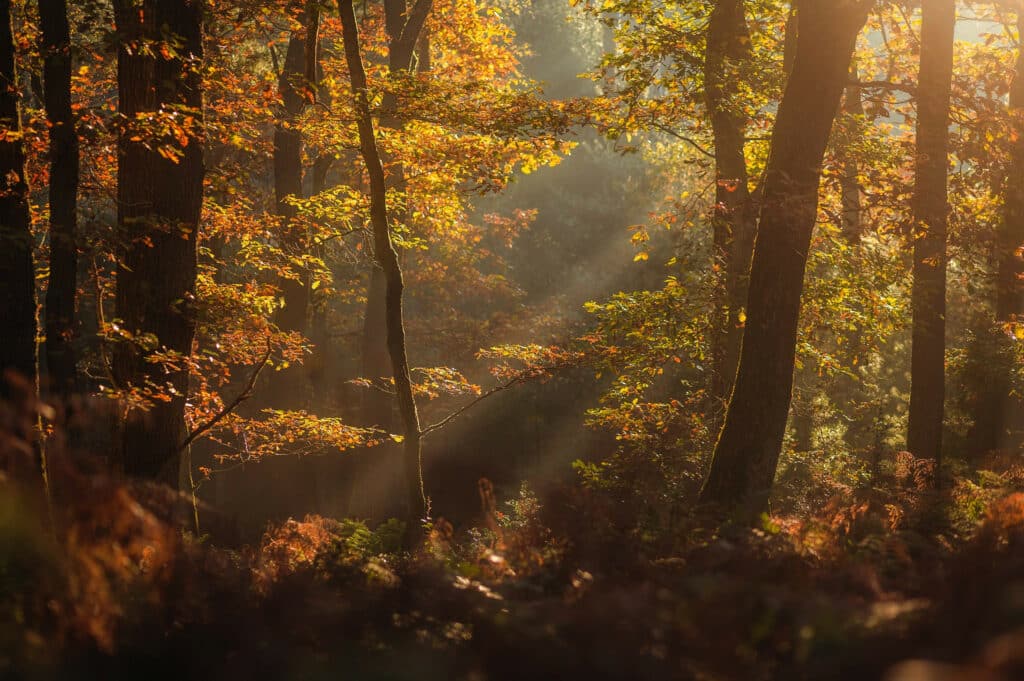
(669, 131)
(250, 387)
(886, 85)
(462, 410)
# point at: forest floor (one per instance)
(838, 583)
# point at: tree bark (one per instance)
(387, 260)
(60, 320)
(747, 453)
(296, 84)
(404, 27)
(928, 297)
(159, 207)
(728, 46)
(17, 277)
(849, 183)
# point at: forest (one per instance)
(504, 339)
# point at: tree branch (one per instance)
(462, 410)
(250, 386)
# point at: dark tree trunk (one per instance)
(17, 278)
(403, 26)
(728, 46)
(748, 449)
(387, 260)
(928, 298)
(61, 326)
(996, 411)
(296, 85)
(159, 207)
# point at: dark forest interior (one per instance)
(504, 339)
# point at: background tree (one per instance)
(61, 323)
(995, 409)
(297, 89)
(747, 453)
(160, 195)
(931, 219)
(387, 259)
(17, 288)
(733, 221)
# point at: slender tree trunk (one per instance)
(928, 298)
(387, 259)
(745, 459)
(403, 26)
(17, 278)
(996, 411)
(159, 206)
(853, 221)
(728, 46)
(852, 227)
(296, 86)
(61, 326)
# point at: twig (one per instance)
(250, 386)
(669, 131)
(522, 378)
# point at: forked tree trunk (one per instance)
(17, 279)
(404, 26)
(387, 260)
(931, 209)
(159, 206)
(747, 453)
(60, 320)
(728, 46)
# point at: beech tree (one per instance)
(61, 293)
(296, 86)
(728, 46)
(403, 25)
(17, 278)
(996, 410)
(931, 219)
(387, 259)
(748, 448)
(160, 195)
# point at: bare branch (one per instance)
(250, 386)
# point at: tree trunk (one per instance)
(853, 222)
(17, 278)
(747, 452)
(295, 85)
(996, 411)
(850, 388)
(928, 298)
(159, 207)
(387, 259)
(403, 27)
(728, 46)
(61, 327)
